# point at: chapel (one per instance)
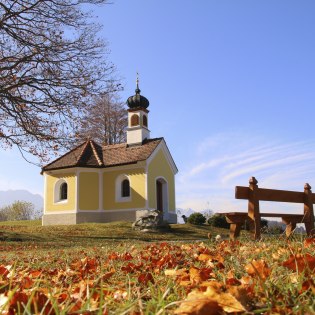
(94, 183)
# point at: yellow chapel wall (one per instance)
(137, 189)
(88, 190)
(51, 181)
(159, 167)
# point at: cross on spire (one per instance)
(137, 81)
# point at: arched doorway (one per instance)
(162, 197)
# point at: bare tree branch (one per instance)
(105, 121)
(52, 64)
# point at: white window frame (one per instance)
(118, 190)
(57, 191)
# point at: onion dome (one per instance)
(137, 100)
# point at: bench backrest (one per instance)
(254, 194)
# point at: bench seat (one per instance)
(236, 219)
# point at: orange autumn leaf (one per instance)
(201, 306)
(309, 242)
(300, 263)
(145, 278)
(258, 268)
(204, 257)
(198, 275)
(175, 272)
(108, 275)
(40, 302)
(26, 283)
(35, 273)
(4, 271)
(17, 302)
(212, 301)
(308, 285)
(233, 281)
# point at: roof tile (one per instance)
(90, 154)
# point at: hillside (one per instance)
(96, 233)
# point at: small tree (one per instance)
(218, 220)
(18, 210)
(196, 218)
(105, 121)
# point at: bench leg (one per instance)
(235, 229)
(255, 227)
(290, 228)
(309, 227)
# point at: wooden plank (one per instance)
(293, 219)
(241, 192)
(280, 195)
(232, 213)
(265, 194)
(235, 218)
(280, 215)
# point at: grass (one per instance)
(90, 233)
(110, 269)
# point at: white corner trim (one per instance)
(76, 189)
(146, 187)
(45, 193)
(125, 210)
(49, 212)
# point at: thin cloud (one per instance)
(279, 165)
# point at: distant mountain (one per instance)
(9, 196)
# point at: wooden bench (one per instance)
(254, 194)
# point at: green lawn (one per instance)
(94, 233)
(110, 269)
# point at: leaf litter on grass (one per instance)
(228, 277)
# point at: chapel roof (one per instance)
(91, 154)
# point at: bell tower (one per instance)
(137, 130)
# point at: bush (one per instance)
(196, 218)
(18, 210)
(218, 220)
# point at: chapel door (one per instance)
(159, 195)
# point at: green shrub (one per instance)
(196, 218)
(218, 220)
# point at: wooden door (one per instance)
(159, 196)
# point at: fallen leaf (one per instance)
(197, 275)
(145, 278)
(199, 306)
(309, 242)
(300, 263)
(175, 272)
(258, 268)
(212, 301)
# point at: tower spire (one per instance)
(137, 81)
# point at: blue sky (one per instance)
(231, 88)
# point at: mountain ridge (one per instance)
(7, 197)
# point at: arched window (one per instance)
(125, 188)
(123, 191)
(134, 120)
(145, 121)
(63, 191)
